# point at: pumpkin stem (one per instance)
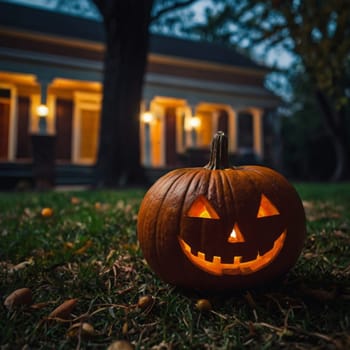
(218, 152)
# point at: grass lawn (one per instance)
(87, 251)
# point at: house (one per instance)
(51, 67)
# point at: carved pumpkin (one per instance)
(221, 227)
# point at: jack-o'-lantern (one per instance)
(221, 227)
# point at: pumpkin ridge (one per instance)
(263, 172)
(209, 185)
(226, 179)
(238, 178)
(219, 185)
(159, 233)
(149, 214)
(252, 181)
(232, 190)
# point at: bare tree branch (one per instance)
(172, 7)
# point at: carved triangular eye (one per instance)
(266, 208)
(201, 208)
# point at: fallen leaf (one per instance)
(120, 345)
(64, 310)
(46, 212)
(341, 234)
(85, 330)
(110, 255)
(28, 212)
(102, 206)
(203, 305)
(145, 302)
(75, 200)
(309, 255)
(22, 296)
(39, 306)
(69, 245)
(22, 265)
(125, 328)
(84, 248)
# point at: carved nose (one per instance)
(236, 235)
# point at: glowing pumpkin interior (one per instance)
(201, 208)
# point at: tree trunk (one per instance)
(126, 28)
(335, 121)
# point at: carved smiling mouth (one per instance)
(215, 266)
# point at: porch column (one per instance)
(152, 134)
(258, 140)
(146, 120)
(232, 130)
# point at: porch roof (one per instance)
(34, 20)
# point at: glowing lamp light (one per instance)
(147, 117)
(195, 122)
(42, 111)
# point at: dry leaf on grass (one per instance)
(29, 213)
(22, 265)
(125, 328)
(110, 255)
(69, 245)
(75, 200)
(102, 206)
(42, 305)
(64, 310)
(22, 296)
(145, 302)
(121, 345)
(46, 212)
(84, 329)
(10, 268)
(203, 305)
(84, 248)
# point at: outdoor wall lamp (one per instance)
(192, 123)
(195, 122)
(147, 117)
(42, 111)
